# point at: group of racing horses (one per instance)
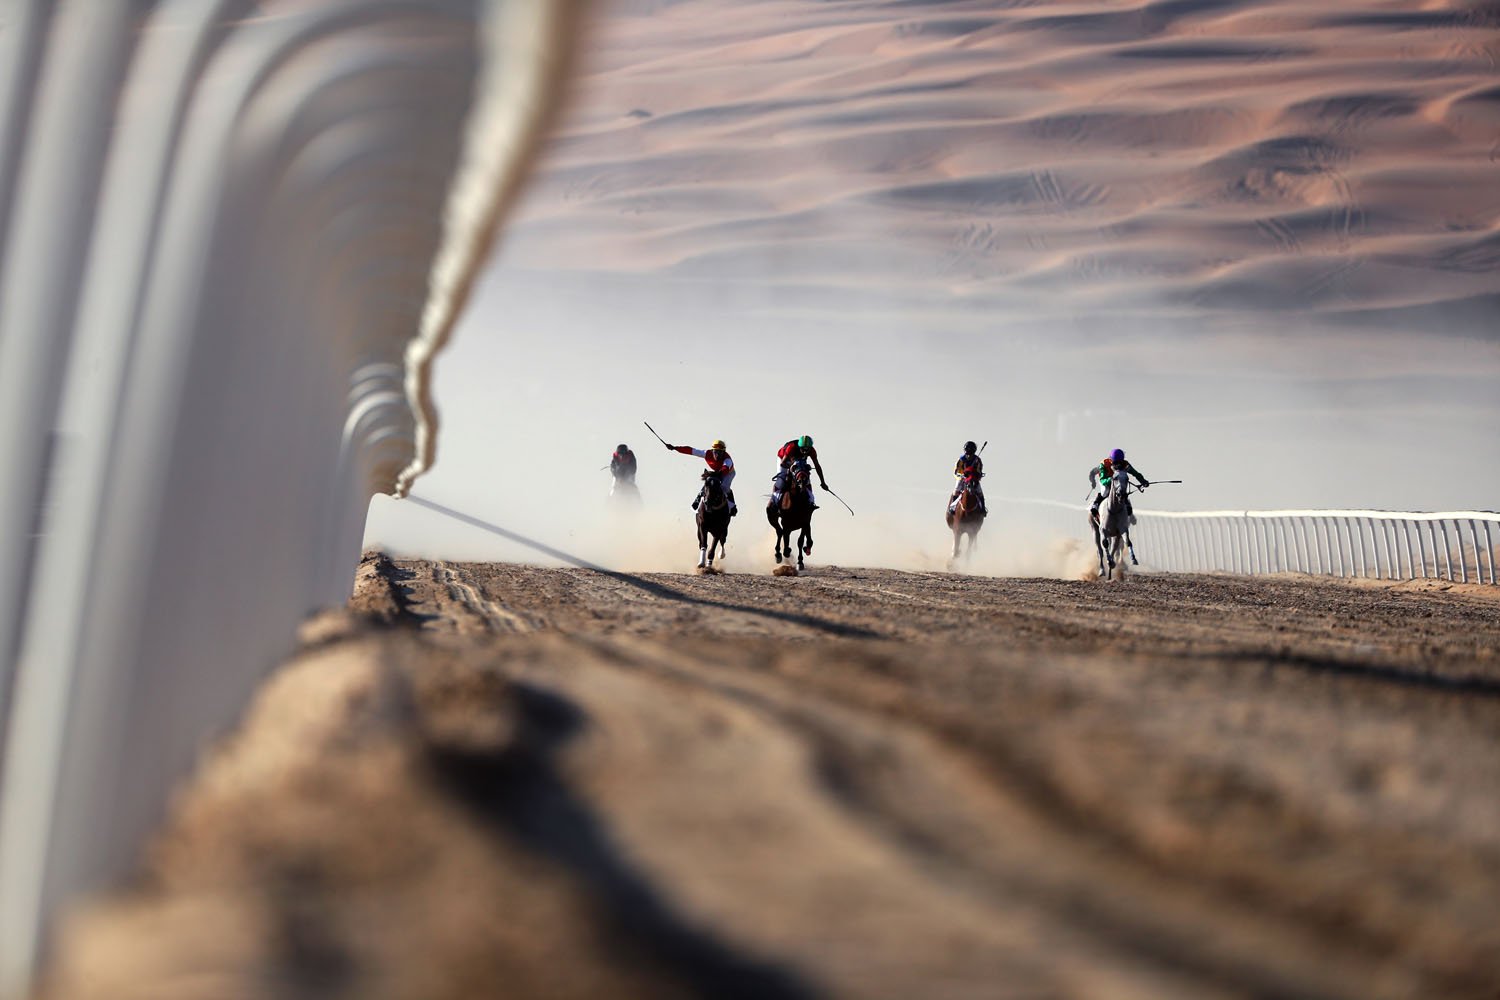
(793, 515)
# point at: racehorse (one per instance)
(713, 518)
(1111, 522)
(966, 518)
(793, 513)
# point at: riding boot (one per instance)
(697, 500)
(733, 510)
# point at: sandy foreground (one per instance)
(499, 780)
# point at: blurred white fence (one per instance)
(232, 235)
(1377, 544)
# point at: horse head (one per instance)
(713, 490)
(1112, 512)
(968, 492)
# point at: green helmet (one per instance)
(804, 441)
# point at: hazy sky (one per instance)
(1255, 251)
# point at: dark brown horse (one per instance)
(793, 513)
(966, 518)
(713, 519)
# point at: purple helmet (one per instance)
(1118, 455)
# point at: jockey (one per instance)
(622, 464)
(795, 450)
(969, 464)
(1101, 474)
(718, 460)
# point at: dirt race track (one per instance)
(497, 780)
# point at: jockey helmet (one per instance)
(805, 441)
(1118, 455)
(719, 444)
(970, 447)
(623, 448)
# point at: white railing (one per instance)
(232, 235)
(1385, 545)
(1458, 546)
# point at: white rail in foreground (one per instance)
(1377, 544)
(232, 235)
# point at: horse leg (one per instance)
(1099, 546)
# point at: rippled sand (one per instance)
(1176, 162)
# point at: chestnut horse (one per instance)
(965, 519)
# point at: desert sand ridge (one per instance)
(1181, 162)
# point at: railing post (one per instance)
(1474, 539)
(1375, 549)
(1447, 551)
(1489, 549)
(1346, 548)
(1422, 545)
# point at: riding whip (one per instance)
(982, 447)
(839, 499)
(655, 435)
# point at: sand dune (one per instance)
(1176, 161)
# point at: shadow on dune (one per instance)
(651, 586)
(517, 790)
